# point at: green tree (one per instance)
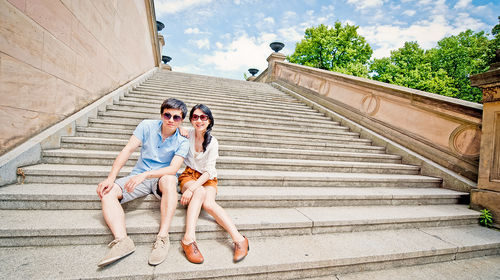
(337, 48)
(410, 66)
(461, 56)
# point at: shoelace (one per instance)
(159, 242)
(113, 243)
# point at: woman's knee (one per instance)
(200, 193)
(209, 205)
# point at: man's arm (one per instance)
(105, 186)
(172, 169)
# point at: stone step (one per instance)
(249, 121)
(233, 109)
(188, 92)
(152, 95)
(95, 157)
(205, 87)
(475, 268)
(258, 149)
(93, 174)
(285, 257)
(236, 104)
(246, 138)
(239, 129)
(72, 227)
(228, 113)
(72, 196)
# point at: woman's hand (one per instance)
(186, 197)
(184, 131)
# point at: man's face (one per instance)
(172, 118)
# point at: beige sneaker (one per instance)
(118, 249)
(160, 250)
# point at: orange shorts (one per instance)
(190, 174)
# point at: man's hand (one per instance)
(186, 197)
(104, 187)
(134, 181)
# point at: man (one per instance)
(162, 153)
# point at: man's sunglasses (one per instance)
(202, 117)
(177, 118)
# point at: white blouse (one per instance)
(202, 161)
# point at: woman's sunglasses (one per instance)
(202, 117)
(177, 118)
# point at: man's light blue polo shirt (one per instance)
(156, 154)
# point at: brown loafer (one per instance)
(241, 250)
(192, 252)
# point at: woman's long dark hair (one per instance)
(207, 137)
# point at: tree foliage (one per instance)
(410, 66)
(443, 70)
(337, 48)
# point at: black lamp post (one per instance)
(277, 46)
(253, 71)
(165, 59)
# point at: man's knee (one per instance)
(115, 193)
(167, 183)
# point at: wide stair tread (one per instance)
(32, 227)
(305, 256)
(81, 196)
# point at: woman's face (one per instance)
(200, 120)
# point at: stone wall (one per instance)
(57, 56)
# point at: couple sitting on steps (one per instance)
(162, 153)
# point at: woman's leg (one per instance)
(193, 212)
(220, 215)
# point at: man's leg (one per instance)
(114, 216)
(168, 188)
(113, 212)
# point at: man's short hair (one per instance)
(173, 103)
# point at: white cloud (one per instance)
(202, 43)
(192, 31)
(242, 53)
(291, 34)
(366, 4)
(219, 45)
(174, 6)
(269, 20)
(384, 38)
(409, 13)
(462, 4)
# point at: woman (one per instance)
(198, 185)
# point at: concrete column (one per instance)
(271, 73)
(487, 194)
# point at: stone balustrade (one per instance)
(442, 129)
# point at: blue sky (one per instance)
(226, 37)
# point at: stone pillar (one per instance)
(487, 194)
(271, 73)
(161, 40)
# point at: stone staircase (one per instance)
(313, 198)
